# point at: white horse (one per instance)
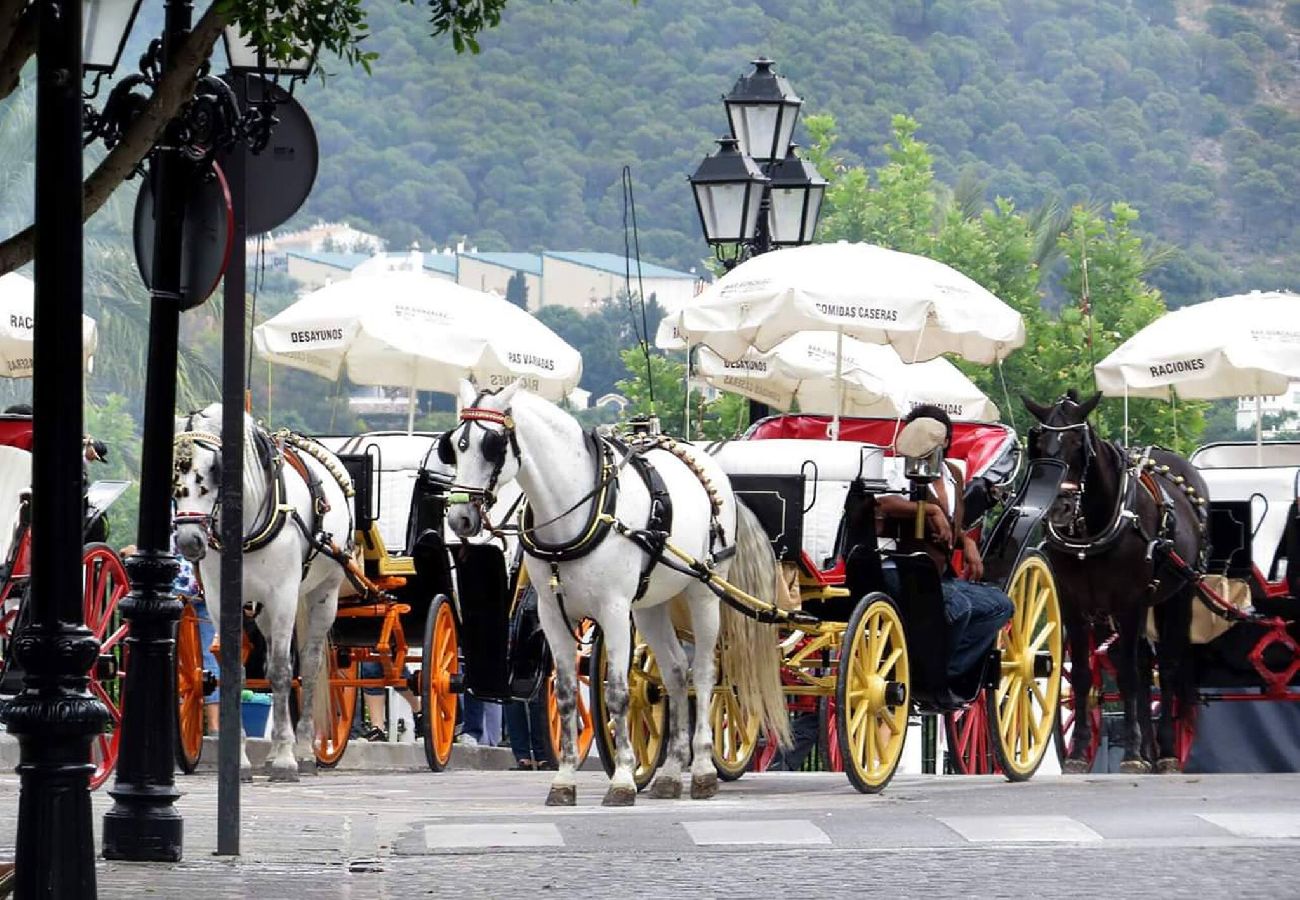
(292, 587)
(514, 434)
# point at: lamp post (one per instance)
(144, 824)
(55, 717)
(755, 194)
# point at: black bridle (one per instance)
(493, 446)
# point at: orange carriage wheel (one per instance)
(104, 584)
(332, 734)
(189, 691)
(439, 671)
(586, 730)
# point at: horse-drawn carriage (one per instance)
(104, 583)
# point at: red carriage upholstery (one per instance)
(16, 431)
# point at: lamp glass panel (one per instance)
(754, 126)
(789, 116)
(785, 215)
(722, 211)
(754, 191)
(815, 194)
(104, 25)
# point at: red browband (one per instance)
(479, 414)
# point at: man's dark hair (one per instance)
(19, 409)
(930, 411)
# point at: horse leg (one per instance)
(564, 789)
(705, 621)
(279, 670)
(617, 635)
(1125, 654)
(1174, 654)
(1079, 631)
(316, 615)
(656, 626)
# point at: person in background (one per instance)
(526, 726)
(375, 707)
(482, 722)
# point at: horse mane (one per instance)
(255, 483)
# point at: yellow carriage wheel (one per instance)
(872, 694)
(647, 710)
(1024, 708)
(735, 731)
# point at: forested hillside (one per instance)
(1188, 110)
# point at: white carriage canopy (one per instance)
(407, 329)
(17, 324)
(873, 379)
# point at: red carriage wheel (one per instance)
(189, 691)
(969, 741)
(1069, 713)
(832, 759)
(104, 584)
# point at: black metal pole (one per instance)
(54, 717)
(144, 823)
(232, 505)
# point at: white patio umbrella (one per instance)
(17, 322)
(411, 330)
(873, 379)
(921, 307)
(1246, 345)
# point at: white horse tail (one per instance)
(320, 709)
(751, 652)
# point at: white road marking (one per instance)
(1021, 829)
(755, 831)
(1256, 825)
(438, 837)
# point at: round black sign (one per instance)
(206, 236)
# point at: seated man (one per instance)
(975, 612)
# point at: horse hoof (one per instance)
(246, 774)
(308, 767)
(1135, 767)
(1076, 767)
(1169, 765)
(666, 788)
(619, 796)
(562, 795)
(284, 775)
(704, 787)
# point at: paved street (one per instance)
(488, 834)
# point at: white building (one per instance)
(583, 279)
(1286, 405)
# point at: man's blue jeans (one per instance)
(975, 613)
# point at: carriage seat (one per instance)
(1252, 506)
(827, 470)
(397, 457)
(15, 478)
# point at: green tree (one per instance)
(517, 290)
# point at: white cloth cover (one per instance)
(920, 306)
(17, 324)
(408, 329)
(1242, 346)
(874, 378)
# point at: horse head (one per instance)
(196, 479)
(1063, 433)
(485, 453)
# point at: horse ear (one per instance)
(467, 393)
(1037, 410)
(1090, 404)
(508, 393)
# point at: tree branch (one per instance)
(174, 90)
(17, 42)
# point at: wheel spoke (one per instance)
(1041, 638)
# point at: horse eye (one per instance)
(203, 492)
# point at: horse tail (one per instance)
(320, 710)
(751, 651)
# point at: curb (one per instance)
(380, 756)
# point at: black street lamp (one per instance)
(755, 194)
(55, 717)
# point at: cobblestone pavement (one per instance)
(487, 834)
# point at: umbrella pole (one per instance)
(410, 411)
(839, 383)
(1126, 441)
(686, 412)
(1259, 430)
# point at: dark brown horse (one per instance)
(1118, 511)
